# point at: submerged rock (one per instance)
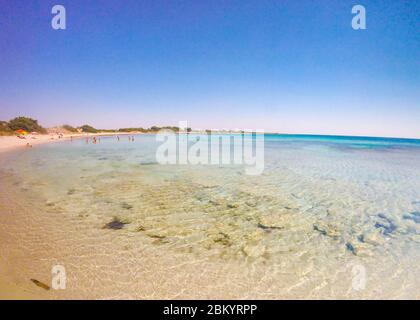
(40, 284)
(268, 228)
(159, 239)
(115, 224)
(414, 216)
(358, 248)
(274, 221)
(156, 236)
(350, 247)
(223, 238)
(327, 230)
(386, 224)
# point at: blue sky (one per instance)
(284, 66)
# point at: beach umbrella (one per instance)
(21, 131)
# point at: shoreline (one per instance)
(11, 143)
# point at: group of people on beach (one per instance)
(94, 140)
(98, 139)
(130, 138)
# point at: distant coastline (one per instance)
(13, 142)
(12, 137)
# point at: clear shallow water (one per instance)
(323, 208)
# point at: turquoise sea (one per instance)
(329, 217)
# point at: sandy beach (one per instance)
(9, 288)
(10, 143)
